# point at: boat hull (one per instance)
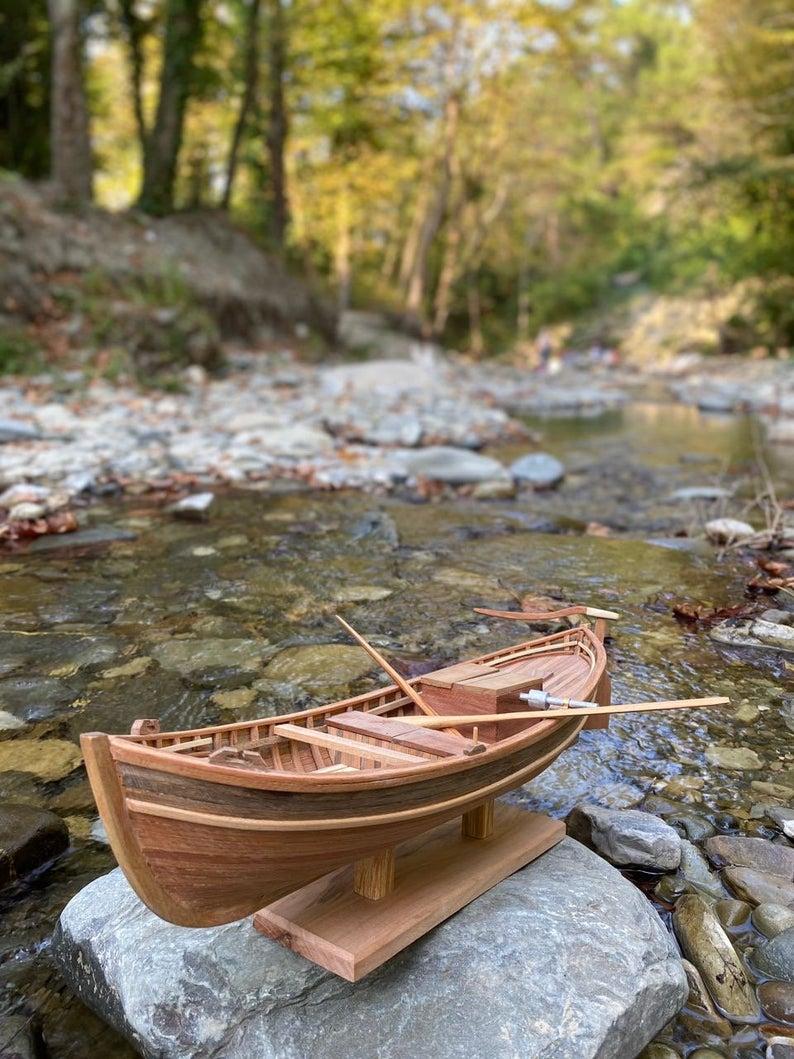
(203, 844)
(201, 867)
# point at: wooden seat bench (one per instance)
(439, 744)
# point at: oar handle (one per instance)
(549, 615)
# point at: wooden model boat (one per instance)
(211, 824)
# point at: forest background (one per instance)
(478, 170)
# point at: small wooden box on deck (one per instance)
(479, 688)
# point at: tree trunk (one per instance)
(476, 343)
(70, 141)
(449, 273)
(134, 31)
(434, 214)
(247, 101)
(342, 252)
(278, 123)
(182, 33)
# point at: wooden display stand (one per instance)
(356, 918)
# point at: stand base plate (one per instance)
(437, 874)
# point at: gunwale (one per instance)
(136, 750)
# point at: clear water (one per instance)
(267, 568)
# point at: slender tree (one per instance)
(164, 141)
(134, 30)
(247, 100)
(278, 121)
(70, 141)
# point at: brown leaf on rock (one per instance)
(774, 567)
(597, 529)
(708, 615)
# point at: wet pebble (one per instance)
(759, 887)
(695, 870)
(757, 853)
(319, 665)
(48, 759)
(775, 957)
(690, 825)
(777, 1000)
(707, 946)
(725, 530)
(29, 837)
(733, 757)
(701, 1003)
(195, 507)
(732, 913)
(235, 699)
(626, 836)
(657, 1050)
(133, 668)
(539, 469)
(772, 920)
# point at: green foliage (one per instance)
(19, 354)
(542, 160)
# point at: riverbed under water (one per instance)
(269, 569)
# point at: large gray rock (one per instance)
(627, 836)
(564, 959)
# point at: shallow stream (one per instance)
(174, 620)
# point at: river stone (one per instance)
(772, 920)
(539, 469)
(443, 463)
(34, 698)
(626, 836)
(737, 758)
(695, 870)
(9, 721)
(701, 492)
(83, 538)
(732, 913)
(658, 1050)
(195, 507)
(759, 887)
(775, 957)
(234, 699)
(725, 530)
(756, 633)
(700, 1002)
(707, 946)
(192, 656)
(777, 1000)
(49, 759)
(20, 1038)
(757, 853)
(779, 1047)
(604, 977)
(320, 665)
(29, 837)
(783, 818)
(361, 593)
(134, 668)
(691, 825)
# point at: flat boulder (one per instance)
(563, 958)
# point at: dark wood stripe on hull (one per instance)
(184, 792)
(217, 875)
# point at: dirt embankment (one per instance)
(154, 291)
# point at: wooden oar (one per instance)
(446, 720)
(401, 683)
(540, 615)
